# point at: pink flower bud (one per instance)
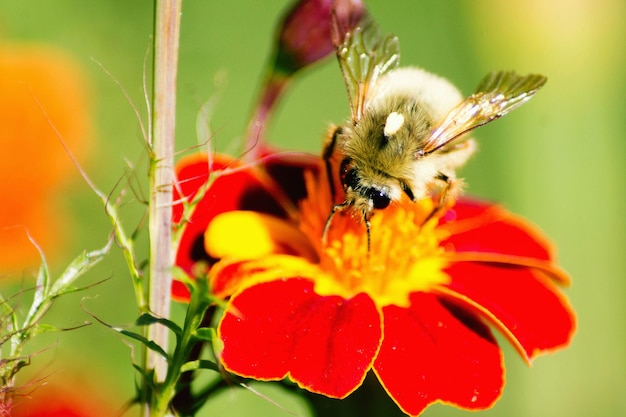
(305, 34)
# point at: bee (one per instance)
(408, 130)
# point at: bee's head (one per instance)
(358, 194)
(361, 195)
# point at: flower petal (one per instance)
(251, 235)
(434, 352)
(524, 304)
(230, 276)
(287, 172)
(226, 193)
(272, 186)
(324, 343)
(480, 227)
(239, 190)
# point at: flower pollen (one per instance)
(404, 257)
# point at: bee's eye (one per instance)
(379, 198)
(350, 179)
(348, 174)
(344, 167)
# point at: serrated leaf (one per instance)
(78, 267)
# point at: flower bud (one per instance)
(305, 34)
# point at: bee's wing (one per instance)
(364, 54)
(496, 95)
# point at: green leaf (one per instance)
(147, 343)
(78, 267)
(217, 346)
(147, 319)
(199, 364)
(147, 376)
(9, 314)
(204, 334)
(140, 338)
(41, 328)
(72, 289)
(41, 287)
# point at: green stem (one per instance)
(126, 243)
(196, 310)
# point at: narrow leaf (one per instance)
(199, 364)
(147, 319)
(78, 267)
(150, 344)
(147, 376)
(204, 334)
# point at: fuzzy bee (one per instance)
(408, 130)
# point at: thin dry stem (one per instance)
(166, 38)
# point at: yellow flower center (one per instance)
(404, 256)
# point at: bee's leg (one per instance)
(450, 189)
(340, 207)
(335, 209)
(329, 148)
(327, 224)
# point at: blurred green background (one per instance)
(559, 160)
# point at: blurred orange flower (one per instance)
(67, 395)
(40, 87)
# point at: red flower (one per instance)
(414, 309)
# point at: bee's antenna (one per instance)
(368, 228)
(329, 149)
(341, 207)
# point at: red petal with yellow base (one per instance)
(325, 344)
(270, 187)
